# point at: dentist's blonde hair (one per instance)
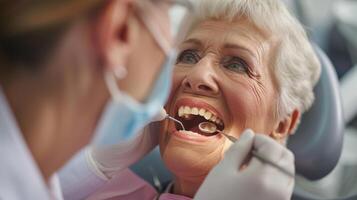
(296, 66)
(30, 28)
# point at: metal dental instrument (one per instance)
(209, 127)
(175, 120)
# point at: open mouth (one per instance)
(192, 117)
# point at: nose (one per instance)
(201, 80)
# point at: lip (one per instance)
(196, 138)
(196, 103)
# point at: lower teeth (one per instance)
(194, 133)
(189, 132)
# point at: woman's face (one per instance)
(223, 75)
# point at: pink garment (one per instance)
(128, 186)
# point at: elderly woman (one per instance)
(244, 64)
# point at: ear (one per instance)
(286, 126)
(112, 33)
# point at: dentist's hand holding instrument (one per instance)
(254, 180)
(209, 127)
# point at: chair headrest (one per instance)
(317, 143)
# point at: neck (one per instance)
(56, 121)
(58, 105)
(187, 187)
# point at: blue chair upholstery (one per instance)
(317, 143)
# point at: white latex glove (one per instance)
(258, 180)
(106, 161)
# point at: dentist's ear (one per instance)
(286, 126)
(113, 35)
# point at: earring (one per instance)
(120, 72)
(277, 136)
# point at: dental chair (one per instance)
(317, 143)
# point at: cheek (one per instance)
(177, 79)
(178, 75)
(246, 108)
(241, 103)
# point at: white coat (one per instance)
(20, 177)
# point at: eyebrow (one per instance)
(235, 46)
(193, 41)
(197, 42)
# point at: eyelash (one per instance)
(224, 63)
(244, 67)
(193, 53)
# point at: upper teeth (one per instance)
(186, 110)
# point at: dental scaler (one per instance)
(163, 115)
(175, 120)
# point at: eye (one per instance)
(235, 64)
(189, 56)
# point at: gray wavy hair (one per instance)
(296, 66)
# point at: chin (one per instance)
(188, 161)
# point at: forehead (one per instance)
(220, 33)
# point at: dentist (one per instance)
(61, 66)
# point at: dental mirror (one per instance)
(209, 127)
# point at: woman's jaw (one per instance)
(191, 154)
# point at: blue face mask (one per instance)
(124, 116)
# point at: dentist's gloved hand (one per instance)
(257, 180)
(106, 161)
